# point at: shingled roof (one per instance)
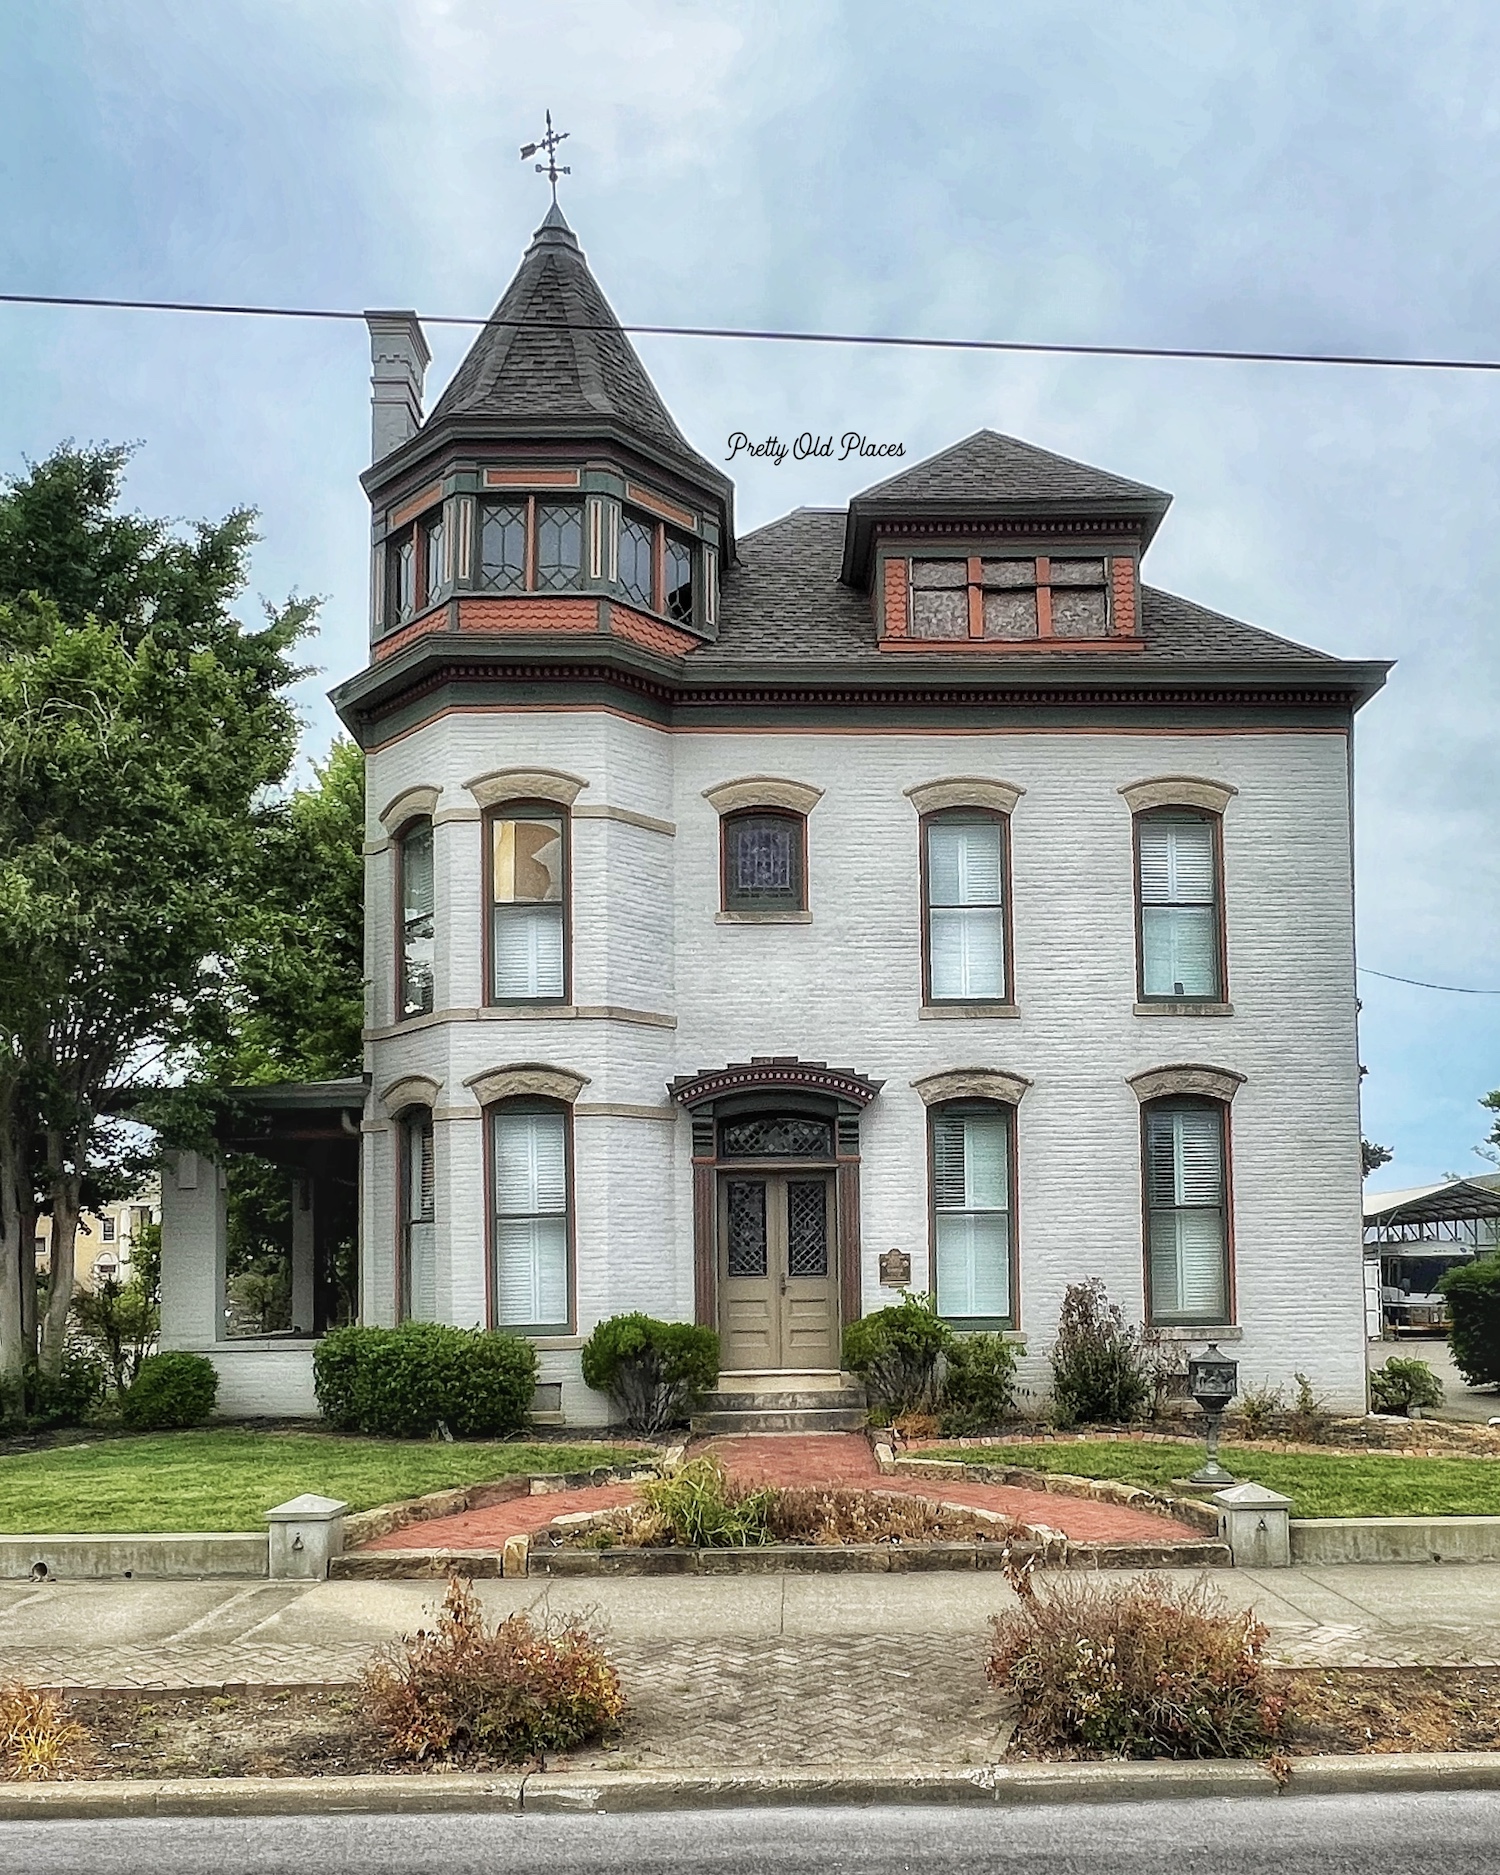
(784, 602)
(553, 355)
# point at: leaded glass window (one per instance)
(678, 579)
(502, 546)
(746, 1202)
(637, 538)
(434, 557)
(559, 546)
(401, 573)
(807, 1227)
(789, 1136)
(763, 863)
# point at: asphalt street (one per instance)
(1457, 1834)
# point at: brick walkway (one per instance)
(822, 1459)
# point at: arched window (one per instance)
(415, 937)
(764, 861)
(972, 1194)
(531, 1210)
(416, 1298)
(528, 892)
(1178, 905)
(964, 866)
(1186, 1152)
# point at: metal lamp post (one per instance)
(1212, 1381)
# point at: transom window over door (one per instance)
(763, 862)
(529, 1161)
(528, 906)
(964, 879)
(414, 991)
(1177, 870)
(971, 1204)
(1187, 1238)
(418, 1220)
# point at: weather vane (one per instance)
(549, 143)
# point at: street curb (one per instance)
(595, 1793)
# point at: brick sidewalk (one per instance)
(827, 1459)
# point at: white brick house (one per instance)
(910, 877)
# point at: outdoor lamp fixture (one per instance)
(1212, 1383)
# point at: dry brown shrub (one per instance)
(38, 1737)
(808, 1515)
(910, 1426)
(512, 1692)
(1137, 1669)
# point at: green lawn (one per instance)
(226, 1480)
(1353, 1485)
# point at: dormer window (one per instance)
(1010, 599)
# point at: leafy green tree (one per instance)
(141, 725)
(1372, 1157)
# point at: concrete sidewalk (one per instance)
(194, 1634)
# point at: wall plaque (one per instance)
(895, 1269)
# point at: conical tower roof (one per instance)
(553, 360)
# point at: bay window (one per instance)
(414, 989)
(418, 1281)
(529, 1159)
(528, 909)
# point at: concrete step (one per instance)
(782, 1419)
(798, 1400)
(786, 1380)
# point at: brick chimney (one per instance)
(398, 364)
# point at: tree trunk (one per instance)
(66, 1187)
(12, 1263)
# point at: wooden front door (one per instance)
(778, 1294)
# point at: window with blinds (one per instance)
(763, 863)
(418, 1220)
(1187, 1239)
(527, 961)
(1179, 905)
(965, 910)
(414, 994)
(971, 1212)
(529, 1159)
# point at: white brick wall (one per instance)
(846, 989)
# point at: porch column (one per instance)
(304, 1259)
(194, 1214)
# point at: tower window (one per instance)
(636, 541)
(678, 583)
(559, 546)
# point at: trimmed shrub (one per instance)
(897, 1353)
(699, 1508)
(653, 1371)
(462, 1689)
(1098, 1375)
(979, 1386)
(1472, 1292)
(425, 1377)
(171, 1392)
(1140, 1669)
(1404, 1382)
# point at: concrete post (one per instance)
(1256, 1524)
(398, 367)
(306, 1532)
(194, 1212)
(304, 1257)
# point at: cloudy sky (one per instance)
(1212, 173)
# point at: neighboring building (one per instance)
(1412, 1238)
(908, 877)
(105, 1237)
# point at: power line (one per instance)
(1202, 354)
(1452, 989)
